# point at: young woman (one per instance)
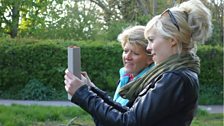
(167, 95)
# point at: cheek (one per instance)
(142, 62)
(154, 47)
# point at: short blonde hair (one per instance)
(193, 19)
(133, 35)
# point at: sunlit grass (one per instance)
(205, 119)
(19, 115)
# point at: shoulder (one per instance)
(178, 78)
(184, 74)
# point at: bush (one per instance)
(35, 90)
(211, 77)
(46, 60)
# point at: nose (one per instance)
(128, 55)
(149, 48)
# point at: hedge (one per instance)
(24, 62)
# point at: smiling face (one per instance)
(161, 48)
(135, 58)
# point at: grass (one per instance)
(205, 119)
(19, 115)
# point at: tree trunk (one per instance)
(154, 7)
(15, 21)
(142, 7)
(222, 23)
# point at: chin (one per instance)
(128, 71)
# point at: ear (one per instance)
(173, 42)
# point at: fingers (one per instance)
(82, 77)
(84, 73)
(67, 89)
(69, 74)
(66, 82)
(72, 83)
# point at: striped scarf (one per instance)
(175, 62)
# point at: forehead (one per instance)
(134, 46)
(151, 33)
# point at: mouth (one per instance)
(128, 64)
(151, 54)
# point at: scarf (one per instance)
(175, 62)
(124, 79)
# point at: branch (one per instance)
(102, 4)
(142, 7)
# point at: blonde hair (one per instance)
(133, 35)
(194, 22)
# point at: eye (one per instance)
(150, 39)
(125, 51)
(135, 53)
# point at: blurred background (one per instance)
(34, 35)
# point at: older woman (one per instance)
(167, 95)
(135, 58)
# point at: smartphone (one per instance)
(74, 62)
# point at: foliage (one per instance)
(23, 14)
(211, 76)
(46, 60)
(77, 23)
(86, 19)
(216, 35)
(114, 30)
(62, 116)
(35, 90)
(23, 61)
(211, 64)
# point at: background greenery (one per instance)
(32, 64)
(34, 69)
(88, 19)
(73, 116)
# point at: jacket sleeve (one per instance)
(107, 99)
(158, 102)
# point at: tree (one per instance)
(11, 20)
(216, 7)
(28, 12)
(80, 22)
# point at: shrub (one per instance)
(211, 77)
(35, 90)
(46, 60)
(21, 60)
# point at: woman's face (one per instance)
(160, 47)
(135, 58)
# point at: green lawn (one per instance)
(19, 115)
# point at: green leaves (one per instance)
(22, 60)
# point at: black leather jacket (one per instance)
(169, 100)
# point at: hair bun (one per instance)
(199, 19)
